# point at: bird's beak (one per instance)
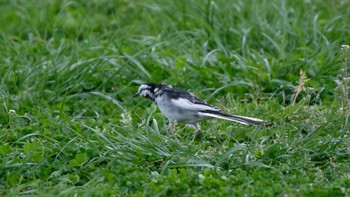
(138, 94)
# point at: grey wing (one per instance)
(177, 93)
(199, 101)
(187, 98)
(196, 100)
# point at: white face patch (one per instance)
(143, 87)
(144, 90)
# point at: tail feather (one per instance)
(240, 119)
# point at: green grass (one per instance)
(70, 127)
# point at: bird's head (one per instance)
(148, 90)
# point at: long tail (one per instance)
(240, 119)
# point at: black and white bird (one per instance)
(182, 106)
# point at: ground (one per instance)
(70, 126)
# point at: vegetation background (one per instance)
(70, 127)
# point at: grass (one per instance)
(69, 125)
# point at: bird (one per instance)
(184, 107)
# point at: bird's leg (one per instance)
(171, 125)
(198, 131)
